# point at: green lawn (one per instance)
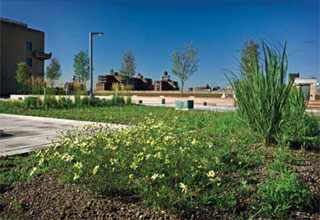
(130, 115)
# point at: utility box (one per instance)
(184, 104)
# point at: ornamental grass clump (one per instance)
(262, 94)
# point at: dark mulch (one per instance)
(308, 167)
(44, 197)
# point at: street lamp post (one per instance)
(90, 60)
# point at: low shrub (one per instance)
(65, 103)
(300, 129)
(128, 100)
(77, 101)
(95, 102)
(50, 102)
(281, 193)
(85, 102)
(118, 99)
(33, 102)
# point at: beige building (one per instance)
(19, 44)
(309, 83)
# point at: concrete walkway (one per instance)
(220, 108)
(22, 134)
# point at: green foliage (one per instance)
(65, 103)
(128, 66)
(33, 102)
(117, 99)
(53, 71)
(171, 155)
(50, 102)
(128, 100)
(185, 63)
(248, 54)
(35, 85)
(23, 73)
(81, 66)
(281, 193)
(300, 129)
(14, 169)
(170, 167)
(262, 94)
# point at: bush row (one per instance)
(66, 103)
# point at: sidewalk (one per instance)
(22, 134)
(219, 108)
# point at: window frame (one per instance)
(29, 46)
(29, 63)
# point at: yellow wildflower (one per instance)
(184, 188)
(33, 170)
(154, 176)
(78, 165)
(211, 173)
(76, 176)
(95, 170)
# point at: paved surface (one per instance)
(23, 134)
(219, 108)
(199, 107)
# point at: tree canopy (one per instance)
(249, 56)
(81, 66)
(128, 65)
(185, 62)
(53, 71)
(23, 73)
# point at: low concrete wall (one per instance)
(150, 100)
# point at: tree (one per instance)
(128, 66)
(53, 71)
(185, 63)
(249, 56)
(81, 66)
(23, 73)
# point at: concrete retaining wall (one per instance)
(151, 100)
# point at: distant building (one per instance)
(105, 82)
(74, 85)
(165, 84)
(19, 44)
(308, 85)
(206, 88)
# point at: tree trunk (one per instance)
(182, 86)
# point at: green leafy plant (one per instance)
(262, 94)
(281, 193)
(23, 73)
(170, 167)
(33, 102)
(65, 103)
(53, 71)
(300, 129)
(185, 63)
(50, 102)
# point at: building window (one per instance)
(29, 46)
(29, 61)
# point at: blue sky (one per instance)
(154, 29)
